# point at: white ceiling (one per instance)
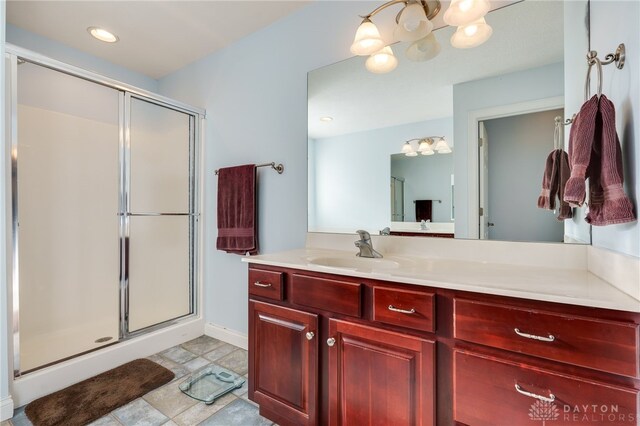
(156, 37)
(525, 35)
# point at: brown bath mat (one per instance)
(91, 399)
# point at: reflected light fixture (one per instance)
(414, 25)
(427, 145)
(326, 119)
(102, 35)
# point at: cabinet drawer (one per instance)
(329, 295)
(490, 391)
(266, 284)
(405, 308)
(599, 344)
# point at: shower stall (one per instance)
(104, 208)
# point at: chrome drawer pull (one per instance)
(259, 284)
(551, 338)
(331, 341)
(549, 398)
(310, 335)
(402, 311)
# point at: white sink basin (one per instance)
(355, 263)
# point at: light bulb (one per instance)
(382, 61)
(102, 34)
(465, 5)
(470, 30)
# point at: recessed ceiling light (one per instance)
(326, 119)
(102, 34)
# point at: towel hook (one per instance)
(618, 58)
(592, 59)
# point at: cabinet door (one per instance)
(283, 363)
(379, 377)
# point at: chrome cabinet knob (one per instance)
(310, 335)
(331, 341)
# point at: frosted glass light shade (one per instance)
(430, 152)
(424, 49)
(411, 154)
(463, 12)
(471, 35)
(413, 24)
(424, 146)
(382, 61)
(407, 148)
(367, 39)
(442, 147)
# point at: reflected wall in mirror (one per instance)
(513, 84)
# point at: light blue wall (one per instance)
(255, 94)
(69, 55)
(352, 172)
(622, 87)
(537, 83)
(518, 150)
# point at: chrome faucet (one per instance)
(365, 245)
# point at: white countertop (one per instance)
(571, 286)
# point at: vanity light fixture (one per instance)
(414, 24)
(426, 146)
(103, 35)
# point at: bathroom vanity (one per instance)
(336, 340)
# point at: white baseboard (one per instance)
(227, 335)
(6, 408)
(43, 382)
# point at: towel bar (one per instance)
(277, 167)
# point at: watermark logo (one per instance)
(543, 410)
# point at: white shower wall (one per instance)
(68, 234)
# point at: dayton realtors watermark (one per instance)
(582, 413)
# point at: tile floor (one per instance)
(168, 406)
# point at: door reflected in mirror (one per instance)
(360, 177)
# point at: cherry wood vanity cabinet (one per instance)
(337, 350)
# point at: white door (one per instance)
(483, 213)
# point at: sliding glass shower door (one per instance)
(159, 213)
(104, 214)
(66, 187)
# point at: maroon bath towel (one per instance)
(608, 204)
(237, 210)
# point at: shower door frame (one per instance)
(126, 93)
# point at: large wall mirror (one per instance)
(493, 105)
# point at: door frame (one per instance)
(476, 116)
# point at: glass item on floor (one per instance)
(211, 383)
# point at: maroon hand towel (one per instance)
(544, 200)
(580, 147)
(556, 174)
(608, 204)
(562, 176)
(237, 218)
